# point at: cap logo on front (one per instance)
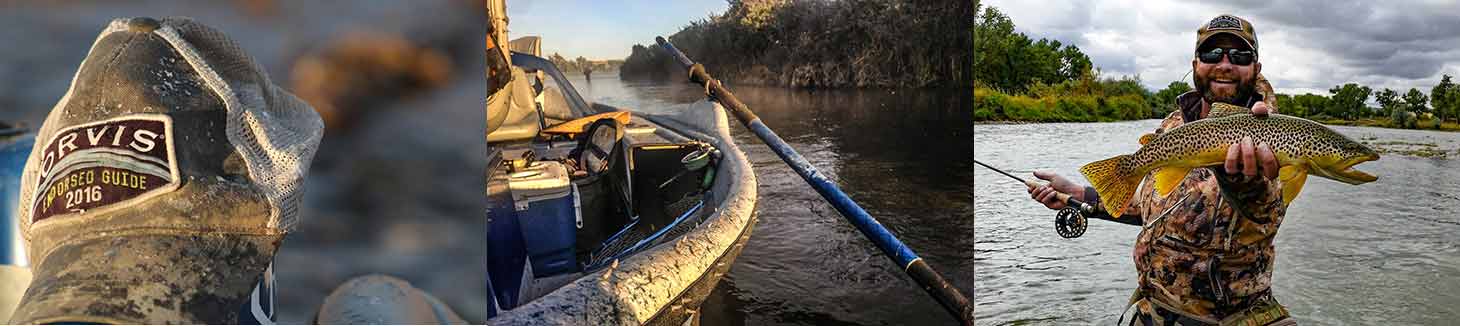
(95, 165)
(1225, 22)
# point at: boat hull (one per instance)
(664, 284)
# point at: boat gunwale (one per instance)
(579, 301)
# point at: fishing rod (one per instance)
(1072, 220)
(930, 280)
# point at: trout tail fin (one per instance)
(1113, 183)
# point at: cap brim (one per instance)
(1204, 40)
(147, 279)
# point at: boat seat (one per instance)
(607, 203)
(554, 105)
(604, 151)
(522, 121)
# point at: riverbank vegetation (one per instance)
(1347, 105)
(822, 43)
(581, 64)
(1017, 78)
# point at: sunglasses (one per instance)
(1236, 56)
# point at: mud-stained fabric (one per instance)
(1206, 249)
(162, 182)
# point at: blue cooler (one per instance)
(545, 204)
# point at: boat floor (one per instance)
(643, 234)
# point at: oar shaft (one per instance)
(930, 280)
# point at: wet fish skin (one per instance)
(1301, 146)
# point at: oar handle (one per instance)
(698, 75)
(930, 280)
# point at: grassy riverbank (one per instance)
(1053, 104)
(1387, 123)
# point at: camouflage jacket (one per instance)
(1206, 250)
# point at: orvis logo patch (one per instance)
(1225, 22)
(98, 164)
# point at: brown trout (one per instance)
(1302, 147)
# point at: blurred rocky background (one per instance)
(396, 186)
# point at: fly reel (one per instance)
(1070, 223)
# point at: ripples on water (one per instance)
(1379, 253)
(903, 156)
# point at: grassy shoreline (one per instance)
(1386, 123)
(992, 105)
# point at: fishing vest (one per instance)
(1206, 250)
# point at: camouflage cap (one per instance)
(162, 182)
(1227, 24)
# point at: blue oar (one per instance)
(946, 295)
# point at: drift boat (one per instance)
(602, 216)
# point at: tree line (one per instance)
(823, 43)
(1350, 102)
(1045, 80)
(1018, 78)
(579, 64)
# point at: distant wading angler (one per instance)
(1205, 254)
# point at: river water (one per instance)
(1386, 252)
(902, 155)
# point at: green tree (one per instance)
(1415, 101)
(1309, 104)
(1348, 101)
(1286, 105)
(1164, 101)
(1388, 102)
(1444, 97)
(1074, 63)
(1013, 62)
(1125, 85)
(992, 37)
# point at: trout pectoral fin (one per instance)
(1168, 178)
(1292, 177)
(1147, 138)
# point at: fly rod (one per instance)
(930, 280)
(1070, 222)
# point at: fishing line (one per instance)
(1070, 222)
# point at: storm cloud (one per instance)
(1305, 45)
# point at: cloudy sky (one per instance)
(1305, 45)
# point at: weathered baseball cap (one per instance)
(1227, 24)
(163, 182)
